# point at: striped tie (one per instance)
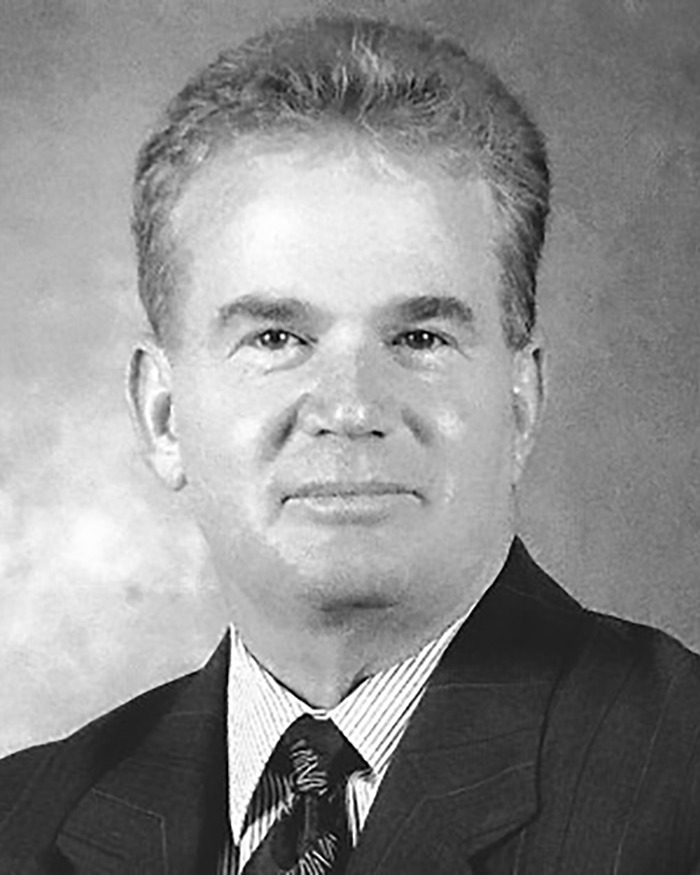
(311, 837)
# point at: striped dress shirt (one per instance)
(373, 718)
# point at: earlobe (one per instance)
(528, 401)
(149, 395)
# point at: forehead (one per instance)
(256, 167)
(336, 214)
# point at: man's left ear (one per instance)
(528, 400)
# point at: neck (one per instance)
(322, 655)
(323, 661)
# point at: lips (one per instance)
(348, 489)
(342, 503)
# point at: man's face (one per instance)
(342, 394)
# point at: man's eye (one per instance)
(275, 339)
(420, 340)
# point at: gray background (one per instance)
(104, 585)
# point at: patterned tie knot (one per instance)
(320, 757)
(307, 772)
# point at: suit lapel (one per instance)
(145, 786)
(465, 774)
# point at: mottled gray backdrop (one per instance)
(104, 585)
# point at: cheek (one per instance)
(450, 425)
(223, 482)
(218, 435)
(476, 429)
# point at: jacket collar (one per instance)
(466, 772)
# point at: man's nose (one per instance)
(351, 397)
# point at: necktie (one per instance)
(311, 837)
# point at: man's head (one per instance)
(338, 229)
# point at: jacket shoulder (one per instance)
(19, 770)
(621, 748)
(648, 664)
(654, 663)
(108, 737)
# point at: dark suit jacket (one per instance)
(550, 740)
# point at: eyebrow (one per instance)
(422, 308)
(263, 308)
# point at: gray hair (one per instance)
(416, 90)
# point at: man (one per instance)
(338, 229)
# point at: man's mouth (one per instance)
(348, 489)
(351, 502)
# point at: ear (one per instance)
(149, 394)
(528, 400)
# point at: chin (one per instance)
(334, 606)
(351, 577)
